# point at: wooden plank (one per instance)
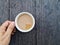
(4, 10)
(48, 22)
(17, 6)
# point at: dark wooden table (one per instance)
(47, 16)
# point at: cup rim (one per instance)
(22, 29)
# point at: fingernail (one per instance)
(13, 23)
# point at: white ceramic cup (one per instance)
(20, 15)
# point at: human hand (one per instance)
(5, 32)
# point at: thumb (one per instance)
(9, 29)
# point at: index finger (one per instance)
(4, 26)
(9, 30)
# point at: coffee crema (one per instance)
(24, 22)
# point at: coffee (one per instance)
(24, 22)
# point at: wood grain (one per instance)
(17, 6)
(4, 10)
(47, 17)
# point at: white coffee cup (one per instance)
(29, 28)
